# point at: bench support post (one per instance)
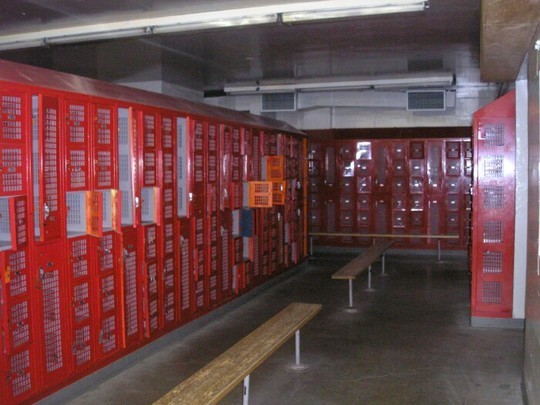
(311, 245)
(369, 289)
(383, 274)
(246, 391)
(438, 249)
(351, 309)
(297, 366)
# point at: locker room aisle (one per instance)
(410, 343)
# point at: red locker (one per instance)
(169, 291)
(105, 148)
(48, 169)
(13, 167)
(77, 145)
(185, 273)
(109, 285)
(18, 363)
(81, 296)
(493, 204)
(132, 295)
(53, 342)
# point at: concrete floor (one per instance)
(409, 343)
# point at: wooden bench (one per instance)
(360, 264)
(212, 382)
(382, 235)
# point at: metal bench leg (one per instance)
(383, 274)
(311, 245)
(246, 391)
(369, 289)
(297, 366)
(351, 308)
(438, 250)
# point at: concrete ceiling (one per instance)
(507, 28)
(432, 39)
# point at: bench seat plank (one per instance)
(359, 264)
(211, 383)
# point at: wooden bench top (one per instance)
(363, 261)
(385, 235)
(212, 382)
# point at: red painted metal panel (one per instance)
(13, 166)
(110, 287)
(185, 273)
(493, 229)
(53, 309)
(77, 145)
(105, 147)
(49, 183)
(18, 221)
(81, 295)
(132, 311)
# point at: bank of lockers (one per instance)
(397, 186)
(123, 216)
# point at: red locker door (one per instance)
(81, 295)
(18, 212)
(13, 167)
(49, 171)
(198, 256)
(18, 363)
(149, 154)
(152, 281)
(109, 285)
(105, 148)
(185, 274)
(132, 288)
(77, 145)
(226, 164)
(53, 342)
(493, 204)
(225, 247)
(169, 292)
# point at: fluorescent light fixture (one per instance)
(397, 81)
(346, 10)
(274, 13)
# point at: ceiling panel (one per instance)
(445, 32)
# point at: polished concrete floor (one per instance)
(409, 343)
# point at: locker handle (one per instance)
(46, 210)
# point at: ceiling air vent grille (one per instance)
(279, 102)
(426, 100)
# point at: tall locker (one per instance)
(212, 217)
(18, 361)
(197, 164)
(169, 301)
(492, 254)
(128, 169)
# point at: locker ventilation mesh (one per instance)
(492, 262)
(494, 134)
(493, 197)
(494, 166)
(491, 292)
(493, 232)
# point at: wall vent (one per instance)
(278, 102)
(426, 100)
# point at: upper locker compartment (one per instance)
(46, 170)
(13, 174)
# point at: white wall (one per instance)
(522, 186)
